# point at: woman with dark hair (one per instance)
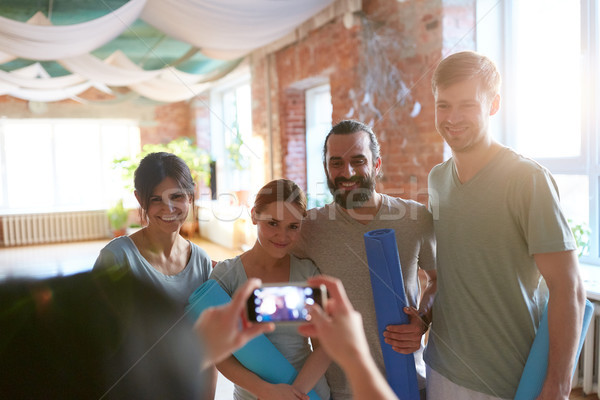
(278, 211)
(157, 253)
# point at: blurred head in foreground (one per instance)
(99, 334)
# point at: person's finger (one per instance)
(240, 297)
(317, 316)
(256, 329)
(401, 340)
(299, 395)
(411, 311)
(405, 350)
(308, 330)
(398, 328)
(335, 289)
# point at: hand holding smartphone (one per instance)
(284, 302)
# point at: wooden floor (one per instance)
(577, 394)
(67, 258)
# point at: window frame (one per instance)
(494, 37)
(109, 196)
(226, 182)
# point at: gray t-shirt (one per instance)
(334, 241)
(490, 293)
(123, 253)
(294, 347)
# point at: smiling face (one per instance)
(462, 115)
(278, 227)
(350, 169)
(167, 207)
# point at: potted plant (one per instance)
(118, 216)
(240, 162)
(197, 159)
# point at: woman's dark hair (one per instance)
(280, 190)
(153, 169)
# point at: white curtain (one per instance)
(114, 71)
(223, 29)
(38, 41)
(229, 28)
(36, 77)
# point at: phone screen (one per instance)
(282, 303)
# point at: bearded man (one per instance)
(332, 236)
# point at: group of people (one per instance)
(493, 244)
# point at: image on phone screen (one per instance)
(281, 303)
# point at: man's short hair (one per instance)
(348, 127)
(467, 65)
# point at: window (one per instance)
(63, 165)
(232, 144)
(318, 123)
(550, 71)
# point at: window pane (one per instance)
(237, 156)
(78, 175)
(64, 165)
(29, 166)
(547, 89)
(318, 123)
(574, 199)
(118, 141)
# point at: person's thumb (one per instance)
(317, 315)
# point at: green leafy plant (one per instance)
(197, 159)
(117, 216)
(235, 150)
(581, 232)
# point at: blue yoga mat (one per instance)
(390, 299)
(534, 372)
(258, 355)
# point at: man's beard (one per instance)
(356, 197)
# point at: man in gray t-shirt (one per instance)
(332, 236)
(499, 230)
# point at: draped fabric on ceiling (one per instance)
(229, 28)
(221, 29)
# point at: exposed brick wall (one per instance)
(294, 136)
(379, 64)
(171, 121)
(201, 121)
(265, 116)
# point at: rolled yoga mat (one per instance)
(536, 366)
(390, 299)
(258, 355)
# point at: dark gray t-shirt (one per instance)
(334, 241)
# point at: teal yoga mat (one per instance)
(534, 372)
(258, 355)
(390, 299)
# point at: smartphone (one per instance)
(284, 302)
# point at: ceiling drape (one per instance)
(39, 40)
(221, 29)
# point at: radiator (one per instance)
(586, 370)
(22, 229)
